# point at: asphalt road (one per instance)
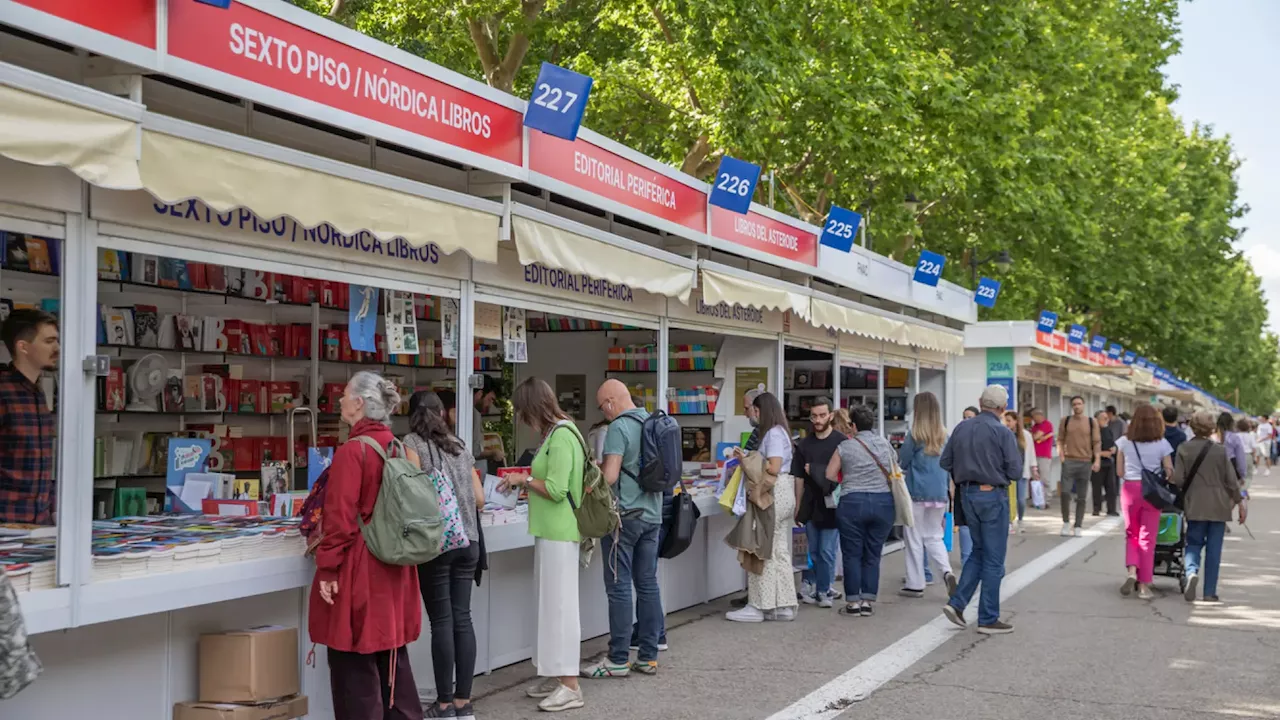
(1080, 650)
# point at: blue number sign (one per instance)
(929, 268)
(841, 228)
(987, 292)
(1076, 335)
(1142, 363)
(559, 99)
(1098, 343)
(1048, 321)
(1130, 357)
(224, 4)
(735, 185)
(1115, 351)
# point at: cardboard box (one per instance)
(249, 666)
(286, 709)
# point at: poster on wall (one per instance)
(514, 338)
(450, 316)
(571, 392)
(488, 321)
(402, 326)
(362, 317)
(745, 379)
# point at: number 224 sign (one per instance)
(558, 102)
(929, 268)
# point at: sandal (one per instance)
(852, 609)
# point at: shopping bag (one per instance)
(731, 490)
(1037, 494)
(948, 530)
(19, 665)
(740, 500)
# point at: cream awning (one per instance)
(99, 147)
(721, 287)
(176, 169)
(1122, 386)
(934, 339)
(858, 322)
(554, 247)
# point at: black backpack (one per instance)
(660, 454)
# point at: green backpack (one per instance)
(597, 514)
(406, 527)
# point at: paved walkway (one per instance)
(1080, 649)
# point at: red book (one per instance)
(343, 292)
(215, 277)
(332, 344)
(345, 353)
(275, 340)
(242, 453)
(113, 401)
(329, 399)
(328, 294)
(234, 330)
(282, 394)
(259, 340)
(250, 396)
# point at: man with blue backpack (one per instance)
(641, 461)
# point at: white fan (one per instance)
(146, 382)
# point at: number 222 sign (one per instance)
(735, 184)
(558, 102)
(929, 268)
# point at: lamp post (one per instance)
(1000, 259)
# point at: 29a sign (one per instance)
(558, 102)
(735, 185)
(929, 268)
(841, 228)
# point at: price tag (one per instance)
(987, 292)
(841, 228)
(929, 268)
(1098, 343)
(1048, 321)
(1115, 351)
(1130, 357)
(735, 185)
(559, 99)
(1076, 335)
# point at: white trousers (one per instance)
(925, 538)
(558, 650)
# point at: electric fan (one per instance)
(146, 382)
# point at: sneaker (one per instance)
(1193, 583)
(645, 668)
(1079, 532)
(604, 668)
(662, 646)
(908, 592)
(809, 598)
(807, 589)
(635, 644)
(1129, 584)
(1066, 530)
(1211, 599)
(786, 614)
(834, 594)
(466, 711)
(748, 614)
(826, 601)
(563, 698)
(952, 583)
(954, 615)
(1113, 514)
(1013, 529)
(865, 610)
(1021, 529)
(543, 689)
(1145, 593)
(996, 628)
(433, 710)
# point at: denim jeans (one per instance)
(822, 556)
(446, 584)
(987, 513)
(662, 536)
(966, 545)
(636, 563)
(1206, 535)
(865, 521)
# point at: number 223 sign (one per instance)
(558, 102)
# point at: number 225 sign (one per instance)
(735, 184)
(558, 102)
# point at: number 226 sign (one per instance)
(735, 184)
(559, 99)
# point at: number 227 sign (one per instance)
(558, 102)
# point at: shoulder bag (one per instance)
(897, 485)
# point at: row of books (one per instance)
(206, 388)
(700, 399)
(29, 253)
(644, 358)
(802, 378)
(544, 322)
(8, 305)
(143, 269)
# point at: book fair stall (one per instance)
(224, 246)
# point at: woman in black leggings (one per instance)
(446, 581)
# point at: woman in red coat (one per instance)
(362, 609)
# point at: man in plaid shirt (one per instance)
(28, 493)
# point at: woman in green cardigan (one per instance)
(556, 479)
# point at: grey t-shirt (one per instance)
(861, 473)
(455, 467)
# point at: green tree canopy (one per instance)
(1042, 128)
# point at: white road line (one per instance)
(858, 683)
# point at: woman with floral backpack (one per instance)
(446, 580)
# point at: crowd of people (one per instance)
(843, 482)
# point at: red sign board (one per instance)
(254, 46)
(609, 175)
(1053, 341)
(132, 20)
(764, 234)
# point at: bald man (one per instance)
(636, 544)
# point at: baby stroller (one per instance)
(1171, 546)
